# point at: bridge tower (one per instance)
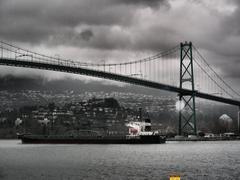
(187, 114)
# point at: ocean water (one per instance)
(191, 160)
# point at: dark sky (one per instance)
(118, 30)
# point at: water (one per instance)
(192, 160)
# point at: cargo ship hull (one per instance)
(153, 139)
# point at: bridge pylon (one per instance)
(187, 114)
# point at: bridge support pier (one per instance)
(239, 119)
(187, 115)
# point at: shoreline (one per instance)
(204, 139)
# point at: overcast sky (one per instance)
(120, 30)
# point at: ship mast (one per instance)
(140, 114)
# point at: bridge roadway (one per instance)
(112, 76)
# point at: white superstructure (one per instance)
(138, 128)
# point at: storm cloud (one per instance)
(120, 29)
(60, 21)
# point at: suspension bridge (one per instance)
(181, 69)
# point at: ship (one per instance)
(139, 132)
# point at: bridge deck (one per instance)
(112, 76)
